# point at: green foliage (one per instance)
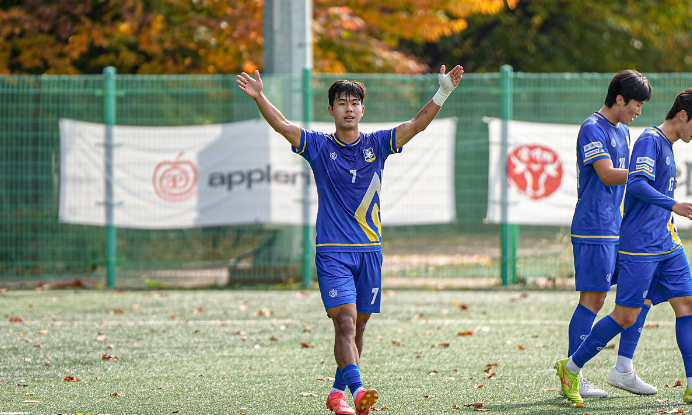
(573, 36)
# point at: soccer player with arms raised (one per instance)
(348, 166)
(602, 162)
(652, 264)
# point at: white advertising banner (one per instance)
(236, 173)
(541, 172)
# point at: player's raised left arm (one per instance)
(406, 131)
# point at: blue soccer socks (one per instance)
(601, 333)
(351, 375)
(339, 384)
(630, 337)
(579, 327)
(683, 332)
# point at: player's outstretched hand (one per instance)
(450, 81)
(447, 83)
(251, 86)
(683, 209)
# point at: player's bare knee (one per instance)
(345, 325)
(593, 300)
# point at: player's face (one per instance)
(628, 112)
(347, 111)
(686, 130)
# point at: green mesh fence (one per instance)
(34, 246)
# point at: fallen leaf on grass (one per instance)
(474, 404)
(610, 346)
(465, 333)
(651, 325)
(441, 344)
(327, 378)
(672, 411)
(307, 394)
(15, 319)
(478, 386)
(384, 408)
(397, 344)
(549, 389)
(265, 312)
(100, 338)
(115, 394)
(71, 379)
(106, 356)
(520, 347)
(117, 311)
(432, 373)
(429, 396)
(678, 383)
(662, 400)
(306, 345)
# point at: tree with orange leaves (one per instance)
(205, 36)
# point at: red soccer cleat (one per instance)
(336, 402)
(365, 400)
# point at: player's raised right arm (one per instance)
(253, 88)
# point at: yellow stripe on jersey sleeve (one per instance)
(597, 156)
(304, 141)
(653, 176)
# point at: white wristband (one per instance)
(440, 97)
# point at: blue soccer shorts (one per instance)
(658, 281)
(595, 266)
(350, 277)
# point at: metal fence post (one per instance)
(308, 257)
(508, 232)
(109, 120)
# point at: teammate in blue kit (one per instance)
(602, 162)
(652, 263)
(348, 167)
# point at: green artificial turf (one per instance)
(270, 352)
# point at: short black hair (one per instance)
(631, 84)
(354, 88)
(682, 102)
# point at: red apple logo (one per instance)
(174, 181)
(534, 170)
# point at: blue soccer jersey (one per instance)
(597, 216)
(648, 231)
(348, 179)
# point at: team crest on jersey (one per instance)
(667, 161)
(333, 293)
(613, 142)
(609, 277)
(645, 293)
(332, 155)
(369, 154)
